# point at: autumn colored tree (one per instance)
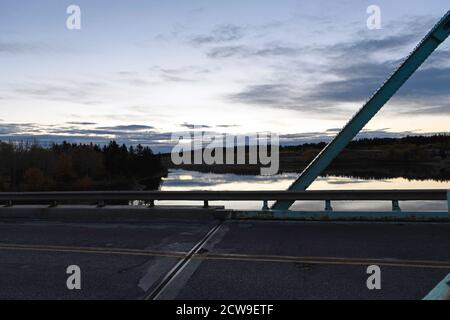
(35, 180)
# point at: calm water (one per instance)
(192, 180)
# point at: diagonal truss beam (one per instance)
(432, 40)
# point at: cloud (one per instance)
(194, 126)
(244, 51)
(427, 91)
(19, 47)
(82, 123)
(14, 128)
(222, 33)
(278, 94)
(228, 51)
(364, 46)
(130, 127)
(47, 135)
(227, 126)
(348, 72)
(188, 73)
(224, 42)
(285, 96)
(79, 91)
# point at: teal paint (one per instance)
(441, 291)
(430, 42)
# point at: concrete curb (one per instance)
(110, 213)
(341, 215)
(141, 213)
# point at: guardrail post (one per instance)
(101, 203)
(395, 206)
(265, 205)
(205, 204)
(328, 206)
(9, 203)
(53, 204)
(151, 203)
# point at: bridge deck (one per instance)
(241, 260)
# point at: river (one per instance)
(178, 180)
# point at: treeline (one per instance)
(66, 166)
(406, 149)
(437, 139)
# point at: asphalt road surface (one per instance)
(205, 259)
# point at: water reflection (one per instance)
(179, 180)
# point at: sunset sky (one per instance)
(139, 70)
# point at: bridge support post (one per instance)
(265, 205)
(395, 206)
(328, 206)
(205, 204)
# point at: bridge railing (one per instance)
(103, 197)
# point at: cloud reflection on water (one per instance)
(179, 180)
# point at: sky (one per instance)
(138, 71)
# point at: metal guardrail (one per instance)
(432, 194)
(101, 197)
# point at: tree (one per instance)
(64, 169)
(34, 180)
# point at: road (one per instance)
(239, 260)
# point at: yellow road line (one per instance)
(433, 264)
(329, 261)
(88, 248)
(117, 251)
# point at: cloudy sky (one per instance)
(139, 70)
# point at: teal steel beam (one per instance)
(432, 40)
(441, 291)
